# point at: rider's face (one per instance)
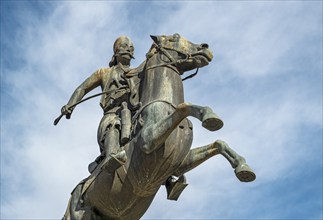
(125, 53)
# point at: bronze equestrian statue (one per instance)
(158, 151)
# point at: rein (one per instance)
(85, 99)
(174, 62)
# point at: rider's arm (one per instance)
(89, 84)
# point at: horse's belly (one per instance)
(150, 171)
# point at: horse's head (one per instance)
(183, 54)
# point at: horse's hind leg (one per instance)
(198, 155)
(243, 172)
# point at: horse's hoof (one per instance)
(244, 173)
(212, 123)
(210, 120)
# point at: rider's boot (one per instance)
(115, 160)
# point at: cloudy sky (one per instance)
(265, 82)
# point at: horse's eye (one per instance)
(176, 37)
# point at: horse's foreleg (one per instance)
(154, 134)
(156, 131)
(209, 119)
(197, 156)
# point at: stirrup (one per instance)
(175, 187)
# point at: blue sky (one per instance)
(265, 82)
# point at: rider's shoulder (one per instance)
(103, 71)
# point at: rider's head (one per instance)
(123, 51)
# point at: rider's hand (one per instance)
(66, 110)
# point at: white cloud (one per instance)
(251, 40)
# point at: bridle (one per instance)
(173, 64)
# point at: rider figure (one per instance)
(114, 127)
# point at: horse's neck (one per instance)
(161, 83)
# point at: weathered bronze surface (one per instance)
(144, 135)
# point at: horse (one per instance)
(159, 153)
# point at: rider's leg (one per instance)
(108, 138)
(111, 141)
(115, 156)
(112, 155)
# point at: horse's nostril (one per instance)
(204, 45)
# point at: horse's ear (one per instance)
(155, 39)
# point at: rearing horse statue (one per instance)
(124, 184)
